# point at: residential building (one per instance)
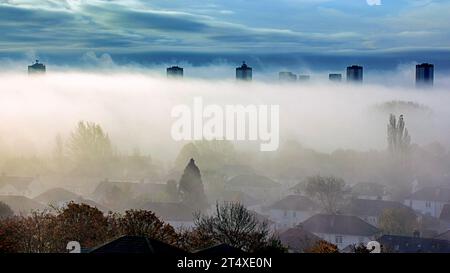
(370, 210)
(244, 72)
(429, 200)
(424, 75)
(137, 245)
(36, 68)
(341, 230)
(175, 72)
(291, 211)
(298, 240)
(335, 77)
(405, 244)
(259, 187)
(355, 74)
(286, 76)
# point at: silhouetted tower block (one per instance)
(175, 72)
(304, 78)
(286, 76)
(335, 77)
(244, 72)
(355, 74)
(424, 75)
(36, 68)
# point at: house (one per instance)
(429, 200)
(291, 210)
(257, 186)
(370, 210)
(220, 250)
(176, 214)
(298, 240)
(445, 213)
(15, 185)
(21, 205)
(121, 195)
(341, 230)
(59, 197)
(136, 245)
(405, 244)
(371, 191)
(444, 236)
(237, 197)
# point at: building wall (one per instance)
(288, 218)
(432, 208)
(343, 240)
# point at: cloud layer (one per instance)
(315, 26)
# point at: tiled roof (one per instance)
(252, 180)
(365, 207)
(138, 244)
(338, 224)
(404, 244)
(221, 249)
(441, 194)
(298, 239)
(294, 202)
(445, 213)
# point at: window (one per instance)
(428, 204)
(294, 214)
(285, 213)
(338, 239)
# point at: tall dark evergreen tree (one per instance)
(191, 188)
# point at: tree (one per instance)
(89, 147)
(146, 223)
(323, 247)
(191, 187)
(397, 136)
(234, 225)
(5, 211)
(398, 221)
(82, 223)
(328, 191)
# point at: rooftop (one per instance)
(294, 202)
(404, 244)
(440, 194)
(138, 244)
(338, 224)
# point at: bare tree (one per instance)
(234, 225)
(328, 191)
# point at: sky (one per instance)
(317, 32)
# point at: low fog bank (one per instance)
(135, 109)
(329, 129)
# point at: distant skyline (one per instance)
(125, 27)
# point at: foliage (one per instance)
(191, 187)
(323, 247)
(145, 223)
(89, 147)
(397, 136)
(398, 221)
